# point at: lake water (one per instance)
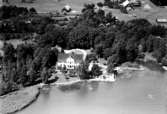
(145, 92)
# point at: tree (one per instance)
(23, 1)
(49, 58)
(9, 53)
(44, 75)
(88, 7)
(83, 71)
(32, 11)
(100, 4)
(110, 18)
(80, 37)
(53, 36)
(158, 30)
(6, 87)
(100, 16)
(91, 57)
(131, 50)
(149, 44)
(99, 50)
(113, 60)
(110, 68)
(107, 52)
(164, 61)
(96, 71)
(159, 2)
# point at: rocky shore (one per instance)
(18, 100)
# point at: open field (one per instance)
(53, 5)
(151, 14)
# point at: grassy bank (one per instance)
(18, 100)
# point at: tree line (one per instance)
(7, 12)
(159, 2)
(26, 65)
(111, 39)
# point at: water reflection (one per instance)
(70, 88)
(45, 92)
(145, 92)
(82, 87)
(86, 88)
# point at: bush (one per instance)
(123, 10)
(96, 71)
(6, 87)
(158, 30)
(100, 4)
(164, 61)
(83, 71)
(160, 2)
(91, 57)
(110, 68)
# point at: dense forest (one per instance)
(111, 39)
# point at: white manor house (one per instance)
(69, 61)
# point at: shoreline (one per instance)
(77, 81)
(18, 106)
(18, 100)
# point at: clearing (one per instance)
(53, 5)
(148, 10)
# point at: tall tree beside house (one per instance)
(8, 62)
(99, 50)
(164, 61)
(110, 18)
(24, 54)
(32, 11)
(9, 70)
(44, 59)
(6, 87)
(83, 72)
(80, 37)
(96, 71)
(91, 57)
(44, 75)
(110, 68)
(100, 4)
(9, 53)
(53, 36)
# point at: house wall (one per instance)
(67, 66)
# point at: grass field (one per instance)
(151, 14)
(53, 5)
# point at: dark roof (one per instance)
(63, 56)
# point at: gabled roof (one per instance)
(62, 57)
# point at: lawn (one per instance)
(53, 5)
(152, 14)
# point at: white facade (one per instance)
(69, 64)
(125, 3)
